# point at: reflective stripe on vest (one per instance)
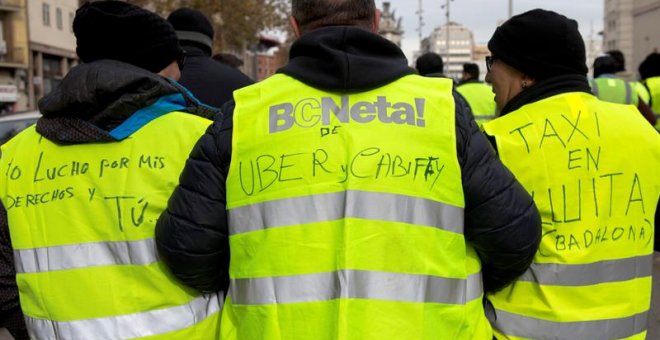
(85, 255)
(597, 202)
(363, 285)
(129, 326)
(526, 327)
(351, 200)
(356, 204)
(589, 274)
(81, 219)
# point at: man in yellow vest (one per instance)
(479, 95)
(610, 88)
(591, 277)
(353, 197)
(81, 191)
(649, 70)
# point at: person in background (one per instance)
(608, 87)
(353, 197)
(81, 191)
(591, 277)
(620, 60)
(228, 59)
(649, 71)
(479, 95)
(209, 81)
(430, 65)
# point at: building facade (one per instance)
(389, 26)
(13, 56)
(455, 49)
(646, 30)
(52, 45)
(618, 31)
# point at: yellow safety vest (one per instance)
(591, 277)
(82, 218)
(653, 85)
(642, 91)
(614, 90)
(481, 99)
(346, 216)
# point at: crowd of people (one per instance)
(164, 195)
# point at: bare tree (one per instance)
(236, 22)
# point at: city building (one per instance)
(389, 26)
(264, 58)
(52, 45)
(618, 31)
(646, 30)
(455, 51)
(13, 56)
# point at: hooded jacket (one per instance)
(90, 102)
(192, 234)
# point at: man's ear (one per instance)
(375, 25)
(294, 25)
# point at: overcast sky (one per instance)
(481, 16)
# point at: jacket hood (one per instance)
(345, 59)
(547, 88)
(96, 98)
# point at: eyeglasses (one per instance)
(181, 61)
(489, 61)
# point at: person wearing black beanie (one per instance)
(115, 132)
(562, 143)
(211, 82)
(114, 30)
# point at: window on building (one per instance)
(71, 17)
(58, 18)
(45, 12)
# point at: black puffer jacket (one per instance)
(92, 100)
(501, 221)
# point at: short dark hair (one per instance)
(472, 69)
(604, 64)
(429, 63)
(313, 14)
(619, 58)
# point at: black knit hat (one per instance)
(192, 25)
(429, 63)
(120, 31)
(541, 44)
(650, 67)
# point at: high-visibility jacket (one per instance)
(346, 216)
(614, 90)
(591, 277)
(481, 99)
(81, 219)
(642, 91)
(653, 84)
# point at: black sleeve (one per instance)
(656, 234)
(501, 220)
(192, 233)
(11, 316)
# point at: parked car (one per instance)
(11, 125)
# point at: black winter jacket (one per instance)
(501, 220)
(210, 81)
(92, 100)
